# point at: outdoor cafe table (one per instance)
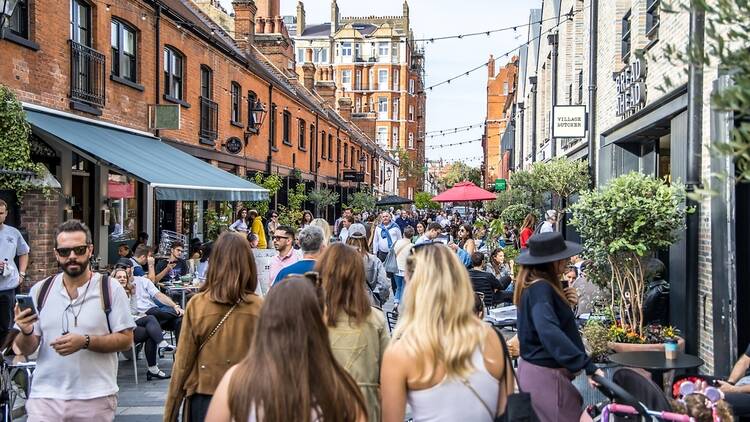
(182, 289)
(656, 363)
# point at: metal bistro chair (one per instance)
(392, 318)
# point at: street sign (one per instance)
(500, 185)
(353, 176)
(568, 121)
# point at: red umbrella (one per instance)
(464, 191)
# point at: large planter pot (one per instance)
(631, 347)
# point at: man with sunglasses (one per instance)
(12, 245)
(283, 241)
(77, 336)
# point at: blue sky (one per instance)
(463, 101)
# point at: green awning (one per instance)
(174, 174)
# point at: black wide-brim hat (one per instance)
(547, 247)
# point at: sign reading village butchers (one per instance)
(568, 121)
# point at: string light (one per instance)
(569, 16)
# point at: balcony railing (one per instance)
(209, 130)
(87, 67)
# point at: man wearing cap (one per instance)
(548, 226)
(312, 243)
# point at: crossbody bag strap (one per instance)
(473, 391)
(216, 329)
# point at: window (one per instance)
(358, 80)
(346, 155)
(411, 86)
(382, 108)
(236, 102)
(19, 20)
(382, 136)
(330, 147)
(286, 127)
(346, 78)
(625, 44)
(300, 55)
(252, 98)
(272, 125)
(411, 140)
(394, 52)
(505, 88)
(172, 73)
(396, 80)
(580, 87)
(313, 138)
(410, 193)
(323, 145)
(383, 79)
(411, 113)
(372, 82)
(652, 19)
(301, 133)
(358, 50)
(358, 105)
(351, 157)
(394, 140)
(80, 22)
(206, 82)
(346, 49)
(395, 109)
(372, 105)
(384, 50)
(320, 55)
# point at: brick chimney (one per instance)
(491, 67)
(334, 17)
(244, 24)
(308, 71)
(325, 87)
(345, 108)
(300, 18)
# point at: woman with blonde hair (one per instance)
(357, 331)
(323, 224)
(443, 360)
(217, 328)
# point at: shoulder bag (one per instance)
(518, 406)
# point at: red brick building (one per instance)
(88, 72)
(500, 91)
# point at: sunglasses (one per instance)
(78, 250)
(280, 237)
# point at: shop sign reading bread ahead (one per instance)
(631, 87)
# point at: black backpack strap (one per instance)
(106, 298)
(44, 292)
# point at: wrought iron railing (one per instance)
(209, 119)
(87, 74)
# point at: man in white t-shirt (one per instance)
(76, 370)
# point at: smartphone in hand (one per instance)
(25, 302)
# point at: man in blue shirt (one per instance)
(312, 242)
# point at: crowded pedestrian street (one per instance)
(396, 211)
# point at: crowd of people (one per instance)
(316, 345)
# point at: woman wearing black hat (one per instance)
(552, 351)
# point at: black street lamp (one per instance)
(7, 12)
(258, 115)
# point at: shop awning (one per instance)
(174, 174)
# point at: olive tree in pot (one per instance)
(622, 224)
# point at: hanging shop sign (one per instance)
(631, 87)
(233, 145)
(568, 121)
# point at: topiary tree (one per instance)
(621, 224)
(16, 167)
(561, 177)
(423, 201)
(322, 197)
(273, 183)
(515, 214)
(362, 200)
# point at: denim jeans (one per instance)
(399, 288)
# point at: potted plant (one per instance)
(622, 224)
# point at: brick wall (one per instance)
(40, 215)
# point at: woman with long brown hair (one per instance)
(217, 328)
(357, 331)
(290, 372)
(552, 350)
(527, 229)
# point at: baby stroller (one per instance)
(634, 398)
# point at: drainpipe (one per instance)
(591, 118)
(314, 150)
(552, 39)
(520, 118)
(532, 81)
(157, 55)
(271, 120)
(693, 174)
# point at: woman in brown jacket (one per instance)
(217, 328)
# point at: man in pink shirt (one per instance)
(283, 241)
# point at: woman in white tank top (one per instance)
(443, 360)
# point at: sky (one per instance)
(463, 101)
